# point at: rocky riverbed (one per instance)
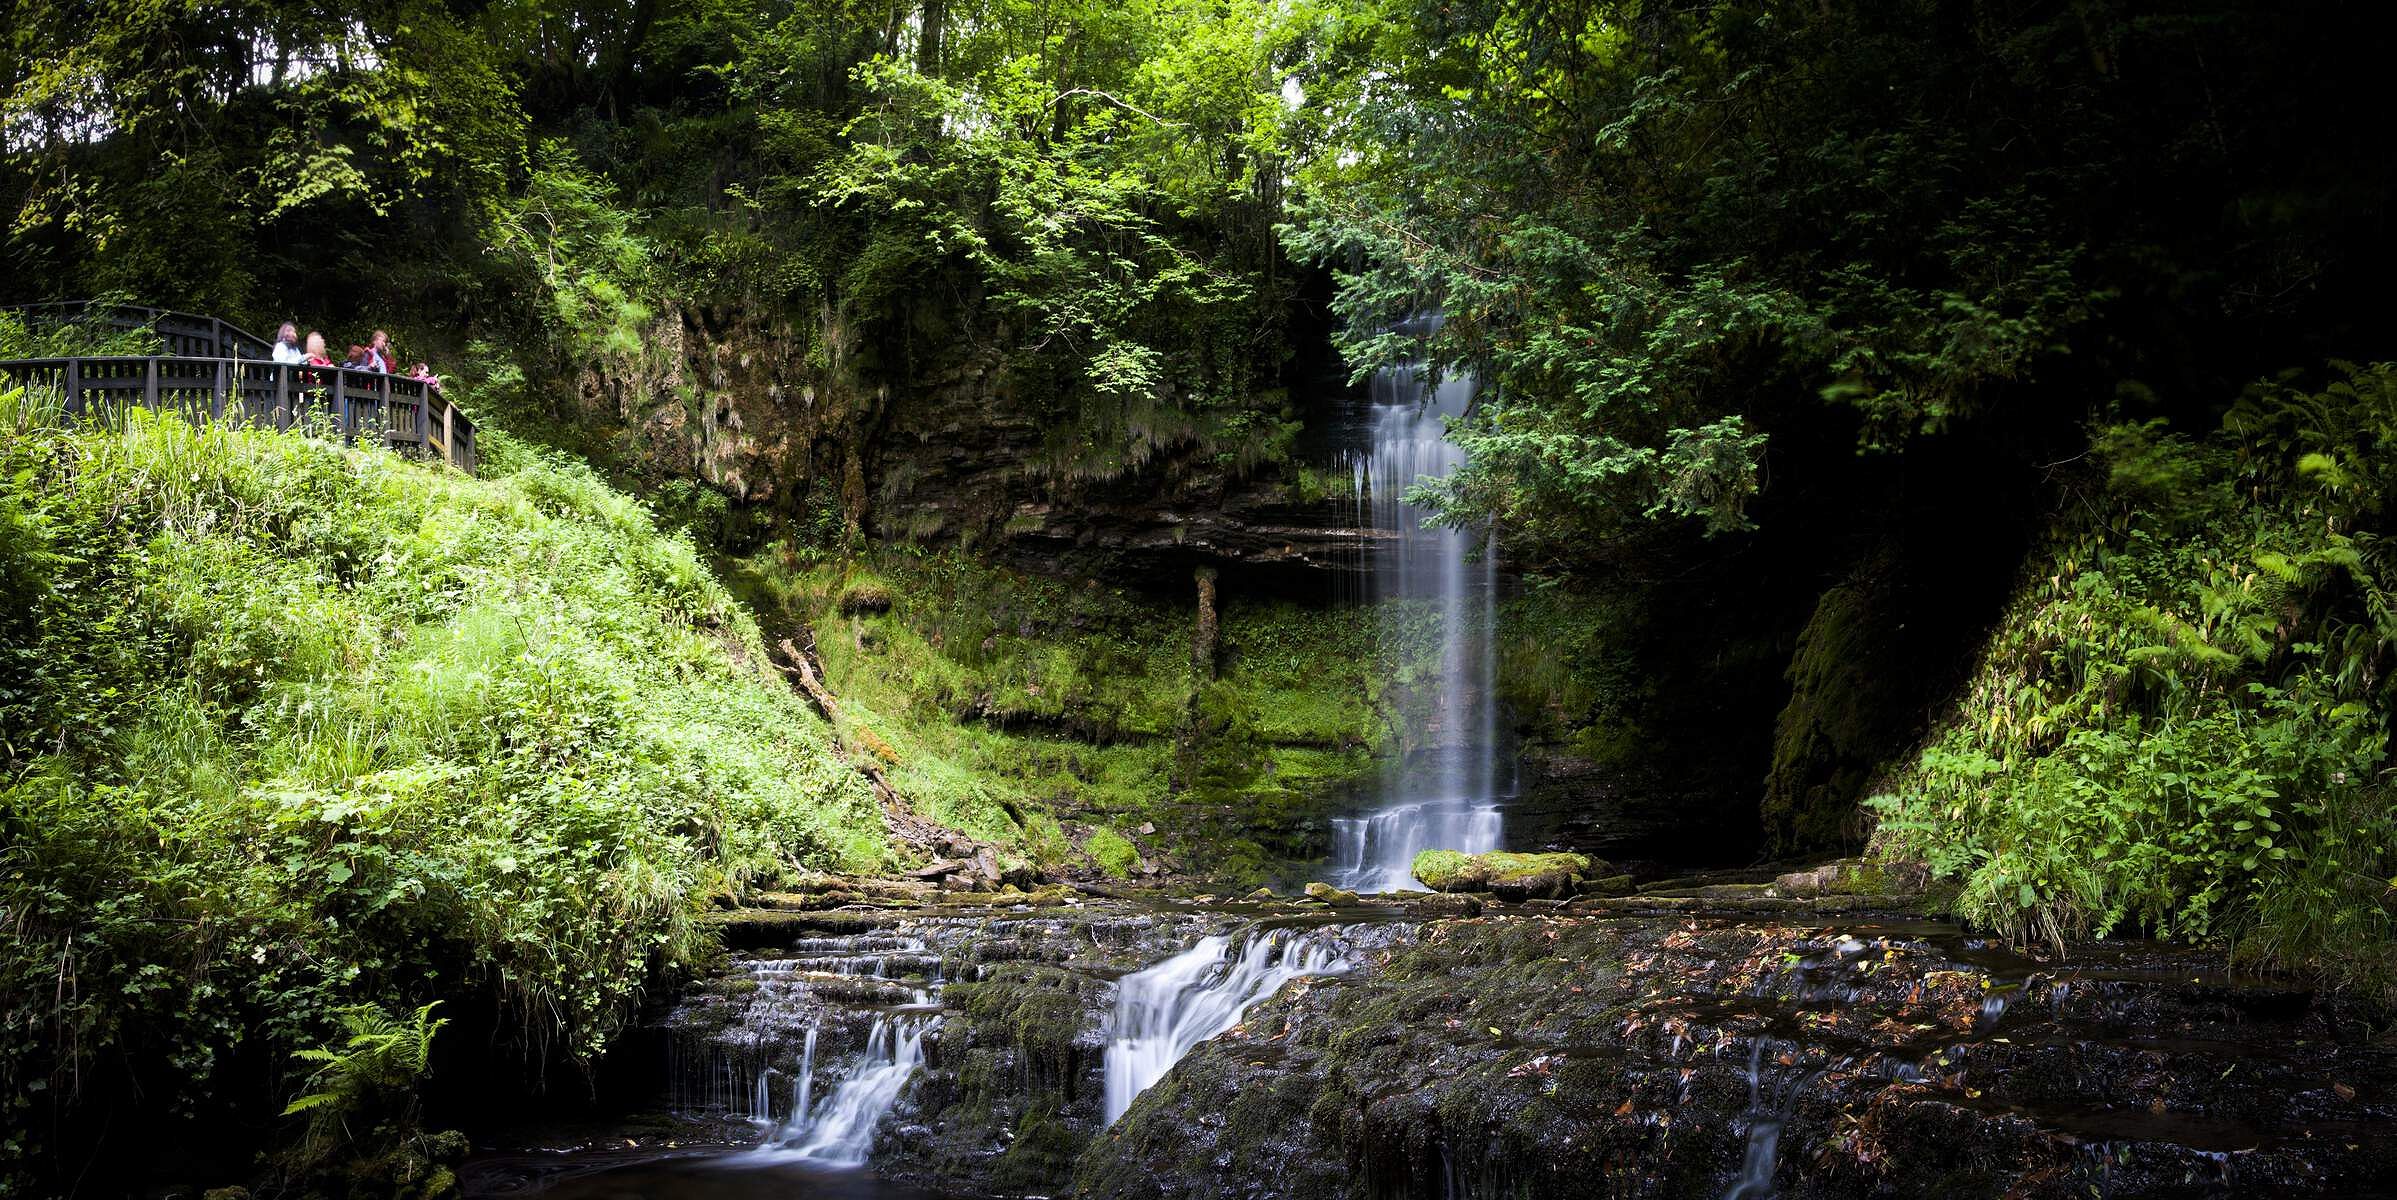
(1704, 1040)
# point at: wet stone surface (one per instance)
(1649, 1047)
(1579, 1055)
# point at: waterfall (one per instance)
(1163, 1012)
(842, 1132)
(1443, 797)
(818, 999)
(805, 1086)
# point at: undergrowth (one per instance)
(289, 728)
(2181, 725)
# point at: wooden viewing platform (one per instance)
(219, 373)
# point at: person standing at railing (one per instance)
(287, 345)
(424, 374)
(317, 357)
(378, 352)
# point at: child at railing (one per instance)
(424, 374)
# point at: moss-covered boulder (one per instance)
(1854, 877)
(1507, 875)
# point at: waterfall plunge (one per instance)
(1442, 796)
(1163, 1012)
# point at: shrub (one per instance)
(1113, 852)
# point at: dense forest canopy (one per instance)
(1660, 232)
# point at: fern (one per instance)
(2192, 740)
(376, 1066)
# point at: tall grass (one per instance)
(288, 727)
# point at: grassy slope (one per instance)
(290, 727)
(1064, 717)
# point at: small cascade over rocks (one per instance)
(1163, 1012)
(1441, 794)
(733, 1053)
(841, 1131)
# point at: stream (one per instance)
(1669, 1045)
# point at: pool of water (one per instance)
(599, 1175)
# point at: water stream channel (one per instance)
(1677, 1045)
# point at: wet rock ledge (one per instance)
(1806, 1036)
(1570, 1054)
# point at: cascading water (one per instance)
(827, 989)
(1442, 794)
(842, 1132)
(1163, 1012)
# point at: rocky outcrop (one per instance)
(1549, 1054)
(800, 420)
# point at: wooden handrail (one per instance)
(263, 393)
(192, 334)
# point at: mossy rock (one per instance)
(1507, 875)
(1329, 894)
(1854, 877)
(1443, 904)
(1112, 852)
(865, 599)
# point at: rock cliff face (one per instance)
(946, 448)
(825, 434)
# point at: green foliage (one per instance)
(583, 257)
(288, 728)
(1662, 233)
(1113, 852)
(190, 153)
(377, 1065)
(2182, 724)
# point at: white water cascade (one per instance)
(1163, 1012)
(1442, 795)
(841, 1133)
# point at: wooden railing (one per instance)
(370, 406)
(180, 334)
(209, 374)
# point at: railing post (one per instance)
(282, 411)
(74, 398)
(217, 412)
(343, 427)
(383, 411)
(149, 384)
(449, 432)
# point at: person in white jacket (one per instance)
(287, 345)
